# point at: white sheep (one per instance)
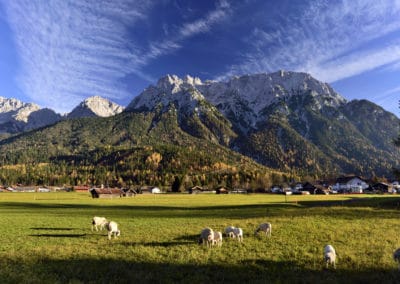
(98, 222)
(238, 233)
(112, 229)
(217, 238)
(329, 256)
(207, 237)
(229, 232)
(265, 227)
(396, 256)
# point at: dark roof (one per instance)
(346, 179)
(381, 185)
(196, 187)
(106, 190)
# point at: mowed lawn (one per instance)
(47, 238)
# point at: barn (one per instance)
(106, 192)
(382, 187)
(81, 188)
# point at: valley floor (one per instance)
(47, 238)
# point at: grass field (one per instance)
(46, 238)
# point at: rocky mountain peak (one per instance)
(174, 84)
(242, 98)
(95, 106)
(13, 109)
(7, 105)
(169, 89)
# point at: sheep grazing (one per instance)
(238, 233)
(217, 239)
(229, 232)
(396, 256)
(207, 237)
(265, 227)
(98, 222)
(330, 256)
(112, 229)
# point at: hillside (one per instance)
(285, 120)
(129, 148)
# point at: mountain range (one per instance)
(17, 116)
(284, 120)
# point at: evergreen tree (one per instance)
(176, 184)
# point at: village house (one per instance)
(23, 189)
(221, 190)
(198, 189)
(81, 188)
(314, 188)
(195, 189)
(240, 190)
(106, 192)
(43, 189)
(382, 187)
(149, 189)
(396, 185)
(350, 184)
(297, 187)
(129, 192)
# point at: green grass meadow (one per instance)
(47, 238)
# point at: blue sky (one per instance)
(58, 52)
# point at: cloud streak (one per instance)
(326, 39)
(186, 30)
(72, 49)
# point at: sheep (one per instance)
(112, 229)
(207, 237)
(238, 233)
(265, 227)
(98, 222)
(217, 238)
(229, 231)
(330, 256)
(396, 256)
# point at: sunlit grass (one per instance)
(47, 238)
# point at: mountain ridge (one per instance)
(284, 120)
(307, 110)
(17, 116)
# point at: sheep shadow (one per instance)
(52, 229)
(58, 235)
(178, 241)
(188, 238)
(157, 244)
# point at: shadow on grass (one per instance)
(59, 235)
(294, 209)
(107, 270)
(372, 202)
(158, 244)
(179, 241)
(52, 229)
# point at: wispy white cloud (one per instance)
(185, 31)
(325, 38)
(389, 99)
(356, 63)
(69, 50)
(392, 91)
(204, 24)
